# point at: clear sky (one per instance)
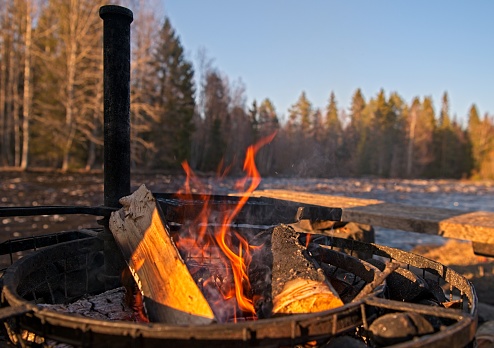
(279, 48)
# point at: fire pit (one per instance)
(389, 284)
(69, 270)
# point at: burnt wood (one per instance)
(285, 279)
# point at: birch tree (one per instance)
(71, 60)
(144, 113)
(27, 94)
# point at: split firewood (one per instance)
(169, 291)
(285, 279)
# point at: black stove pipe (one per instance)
(116, 62)
(116, 76)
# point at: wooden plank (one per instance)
(170, 293)
(473, 226)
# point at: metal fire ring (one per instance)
(56, 267)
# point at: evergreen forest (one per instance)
(51, 110)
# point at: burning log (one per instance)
(170, 294)
(285, 279)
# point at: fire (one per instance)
(223, 248)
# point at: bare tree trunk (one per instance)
(17, 121)
(26, 102)
(3, 94)
(411, 138)
(69, 106)
(10, 106)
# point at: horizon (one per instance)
(279, 49)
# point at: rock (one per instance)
(485, 335)
(394, 328)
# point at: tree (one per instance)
(175, 100)
(298, 132)
(480, 134)
(424, 137)
(412, 126)
(255, 127)
(10, 86)
(67, 82)
(445, 143)
(355, 134)
(476, 137)
(300, 114)
(334, 137)
(27, 95)
(397, 135)
(268, 124)
(216, 113)
(383, 135)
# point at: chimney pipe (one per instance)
(116, 65)
(116, 91)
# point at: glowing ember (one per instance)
(217, 257)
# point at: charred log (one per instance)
(285, 279)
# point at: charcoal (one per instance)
(285, 279)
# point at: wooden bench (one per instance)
(476, 226)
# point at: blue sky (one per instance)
(279, 48)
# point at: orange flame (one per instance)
(200, 242)
(308, 238)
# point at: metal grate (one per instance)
(65, 271)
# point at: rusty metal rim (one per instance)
(308, 325)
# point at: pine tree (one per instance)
(411, 134)
(424, 138)
(176, 104)
(480, 134)
(397, 133)
(475, 136)
(445, 144)
(216, 114)
(300, 115)
(298, 132)
(254, 121)
(268, 119)
(355, 135)
(382, 136)
(334, 137)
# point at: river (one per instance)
(34, 189)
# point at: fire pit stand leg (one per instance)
(116, 59)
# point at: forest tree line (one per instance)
(51, 109)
